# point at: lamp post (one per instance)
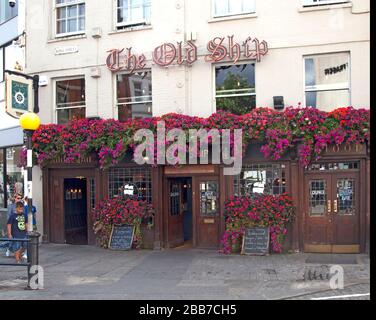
(29, 123)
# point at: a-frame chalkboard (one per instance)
(121, 237)
(256, 241)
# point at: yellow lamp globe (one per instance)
(29, 121)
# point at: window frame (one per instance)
(327, 87)
(68, 34)
(55, 96)
(119, 25)
(231, 95)
(316, 3)
(116, 104)
(215, 16)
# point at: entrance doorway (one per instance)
(75, 211)
(180, 221)
(332, 212)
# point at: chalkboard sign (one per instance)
(256, 241)
(121, 237)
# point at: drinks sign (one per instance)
(219, 49)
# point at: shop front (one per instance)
(331, 198)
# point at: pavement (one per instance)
(88, 272)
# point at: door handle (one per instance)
(329, 206)
(335, 206)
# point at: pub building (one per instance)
(208, 56)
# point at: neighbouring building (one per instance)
(12, 57)
(138, 58)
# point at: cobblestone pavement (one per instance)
(85, 272)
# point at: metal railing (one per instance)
(32, 241)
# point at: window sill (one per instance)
(235, 17)
(325, 7)
(67, 38)
(131, 29)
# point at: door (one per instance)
(175, 213)
(56, 214)
(206, 199)
(332, 215)
(346, 218)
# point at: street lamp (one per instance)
(29, 123)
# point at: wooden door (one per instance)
(318, 219)
(56, 214)
(332, 213)
(175, 214)
(345, 213)
(207, 212)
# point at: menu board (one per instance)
(121, 237)
(256, 241)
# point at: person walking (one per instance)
(12, 210)
(17, 229)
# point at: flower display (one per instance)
(119, 211)
(259, 210)
(310, 129)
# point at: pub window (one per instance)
(137, 180)
(261, 179)
(70, 17)
(2, 184)
(309, 3)
(235, 88)
(134, 95)
(13, 176)
(70, 100)
(6, 11)
(233, 7)
(327, 81)
(133, 12)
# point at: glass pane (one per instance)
(221, 7)
(62, 26)
(317, 197)
(328, 69)
(2, 187)
(134, 111)
(209, 198)
(346, 196)
(237, 105)
(137, 10)
(235, 79)
(72, 11)
(81, 9)
(70, 93)
(66, 115)
(61, 13)
(327, 100)
(174, 198)
(81, 24)
(235, 6)
(248, 6)
(71, 25)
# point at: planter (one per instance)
(237, 245)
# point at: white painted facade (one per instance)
(291, 30)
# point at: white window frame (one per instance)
(214, 15)
(231, 95)
(310, 3)
(130, 23)
(67, 4)
(131, 102)
(56, 109)
(327, 87)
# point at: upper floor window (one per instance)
(233, 7)
(133, 12)
(6, 11)
(307, 3)
(70, 17)
(327, 81)
(235, 88)
(70, 100)
(134, 95)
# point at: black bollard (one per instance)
(33, 260)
